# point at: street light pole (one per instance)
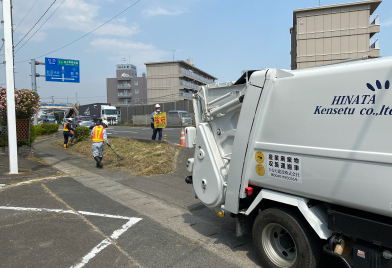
(9, 72)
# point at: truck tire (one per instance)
(284, 239)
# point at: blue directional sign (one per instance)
(60, 70)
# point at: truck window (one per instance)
(110, 112)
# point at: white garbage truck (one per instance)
(302, 159)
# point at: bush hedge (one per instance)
(82, 133)
(45, 129)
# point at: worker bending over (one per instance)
(155, 130)
(67, 133)
(99, 137)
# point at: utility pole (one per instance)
(76, 97)
(67, 99)
(10, 82)
(53, 104)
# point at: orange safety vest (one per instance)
(98, 134)
(65, 127)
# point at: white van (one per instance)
(180, 118)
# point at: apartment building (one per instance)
(327, 34)
(126, 88)
(170, 81)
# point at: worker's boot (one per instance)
(65, 146)
(100, 162)
(96, 158)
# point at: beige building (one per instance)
(174, 80)
(327, 34)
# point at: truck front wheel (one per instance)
(283, 239)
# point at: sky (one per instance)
(223, 37)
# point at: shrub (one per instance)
(82, 133)
(27, 103)
(45, 129)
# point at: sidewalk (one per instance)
(28, 169)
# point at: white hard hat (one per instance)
(104, 122)
(157, 106)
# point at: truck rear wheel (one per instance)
(283, 239)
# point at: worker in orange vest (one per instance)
(68, 132)
(99, 137)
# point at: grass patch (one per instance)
(140, 157)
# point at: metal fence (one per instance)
(128, 112)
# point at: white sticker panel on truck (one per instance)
(284, 167)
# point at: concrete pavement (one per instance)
(175, 230)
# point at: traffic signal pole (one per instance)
(10, 83)
(34, 76)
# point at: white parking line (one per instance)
(3, 186)
(98, 248)
(92, 253)
(106, 242)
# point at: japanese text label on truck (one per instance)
(284, 167)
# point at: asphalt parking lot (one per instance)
(61, 223)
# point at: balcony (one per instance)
(196, 76)
(186, 95)
(374, 48)
(189, 84)
(128, 86)
(374, 25)
(124, 95)
(124, 103)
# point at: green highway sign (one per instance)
(68, 62)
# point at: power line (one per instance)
(35, 23)
(25, 15)
(39, 27)
(85, 34)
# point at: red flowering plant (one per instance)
(27, 103)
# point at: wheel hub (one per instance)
(286, 242)
(279, 245)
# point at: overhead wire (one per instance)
(36, 23)
(25, 15)
(39, 27)
(83, 36)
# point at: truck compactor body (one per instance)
(302, 159)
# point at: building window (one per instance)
(136, 100)
(136, 83)
(136, 91)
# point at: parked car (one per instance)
(50, 118)
(83, 121)
(180, 118)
